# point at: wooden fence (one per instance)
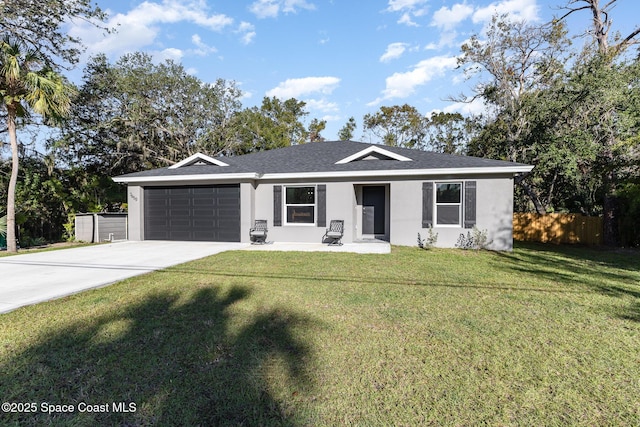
(557, 228)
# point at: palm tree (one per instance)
(27, 83)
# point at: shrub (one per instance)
(430, 241)
(70, 228)
(31, 242)
(475, 239)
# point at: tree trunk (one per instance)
(611, 205)
(533, 196)
(11, 193)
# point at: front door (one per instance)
(373, 207)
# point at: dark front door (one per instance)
(373, 207)
(201, 213)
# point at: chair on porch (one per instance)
(258, 233)
(334, 233)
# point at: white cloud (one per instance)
(247, 38)
(518, 9)
(447, 39)
(331, 117)
(173, 11)
(447, 19)
(403, 85)
(202, 48)
(170, 53)
(321, 105)
(324, 37)
(406, 20)
(265, 8)
(295, 88)
(141, 26)
(394, 51)
(272, 8)
(473, 108)
(291, 5)
(400, 5)
(248, 32)
(408, 9)
(197, 40)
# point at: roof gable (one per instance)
(373, 152)
(198, 159)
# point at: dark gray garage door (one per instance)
(202, 213)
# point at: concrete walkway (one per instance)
(31, 278)
(364, 247)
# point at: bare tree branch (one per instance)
(602, 24)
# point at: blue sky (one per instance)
(342, 57)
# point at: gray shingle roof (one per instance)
(321, 157)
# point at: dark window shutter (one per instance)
(469, 204)
(277, 205)
(427, 204)
(322, 205)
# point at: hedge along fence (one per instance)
(557, 228)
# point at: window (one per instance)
(300, 205)
(448, 203)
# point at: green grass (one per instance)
(45, 248)
(544, 335)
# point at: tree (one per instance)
(346, 132)
(571, 114)
(228, 105)
(134, 115)
(27, 82)
(517, 62)
(286, 116)
(274, 124)
(398, 126)
(629, 196)
(315, 127)
(41, 198)
(601, 26)
(448, 132)
(40, 26)
(604, 77)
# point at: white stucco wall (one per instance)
(135, 201)
(343, 201)
(406, 212)
(340, 204)
(247, 208)
(494, 213)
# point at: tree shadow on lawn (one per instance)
(179, 363)
(619, 258)
(583, 267)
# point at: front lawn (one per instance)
(541, 336)
(43, 248)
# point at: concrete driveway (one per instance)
(31, 278)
